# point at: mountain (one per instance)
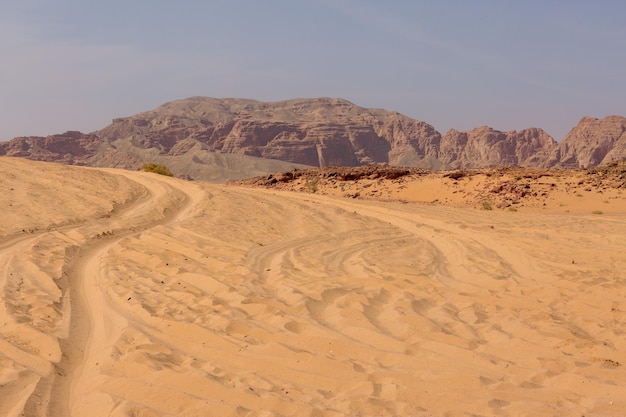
(217, 139)
(486, 147)
(312, 132)
(591, 143)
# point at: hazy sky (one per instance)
(76, 64)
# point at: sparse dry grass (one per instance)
(157, 169)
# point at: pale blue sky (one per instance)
(76, 64)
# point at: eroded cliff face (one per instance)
(69, 147)
(315, 132)
(486, 147)
(591, 143)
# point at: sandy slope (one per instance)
(193, 299)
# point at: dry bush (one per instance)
(157, 169)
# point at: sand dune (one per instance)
(193, 299)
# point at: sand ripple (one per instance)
(194, 299)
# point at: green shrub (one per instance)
(157, 169)
(311, 186)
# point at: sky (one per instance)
(77, 64)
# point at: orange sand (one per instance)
(192, 299)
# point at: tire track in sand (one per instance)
(33, 348)
(72, 389)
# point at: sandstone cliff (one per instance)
(591, 143)
(68, 148)
(486, 147)
(314, 132)
(218, 139)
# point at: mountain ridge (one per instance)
(199, 136)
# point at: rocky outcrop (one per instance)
(69, 147)
(486, 147)
(316, 132)
(335, 174)
(591, 143)
(325, 132)
(190, 134)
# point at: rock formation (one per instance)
(486, 147)
(313, 132)
(68, 148)
(591, 143)
(217, 139)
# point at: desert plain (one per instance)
(127, 293)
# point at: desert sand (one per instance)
(134, 294)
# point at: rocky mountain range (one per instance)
(217, 139)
